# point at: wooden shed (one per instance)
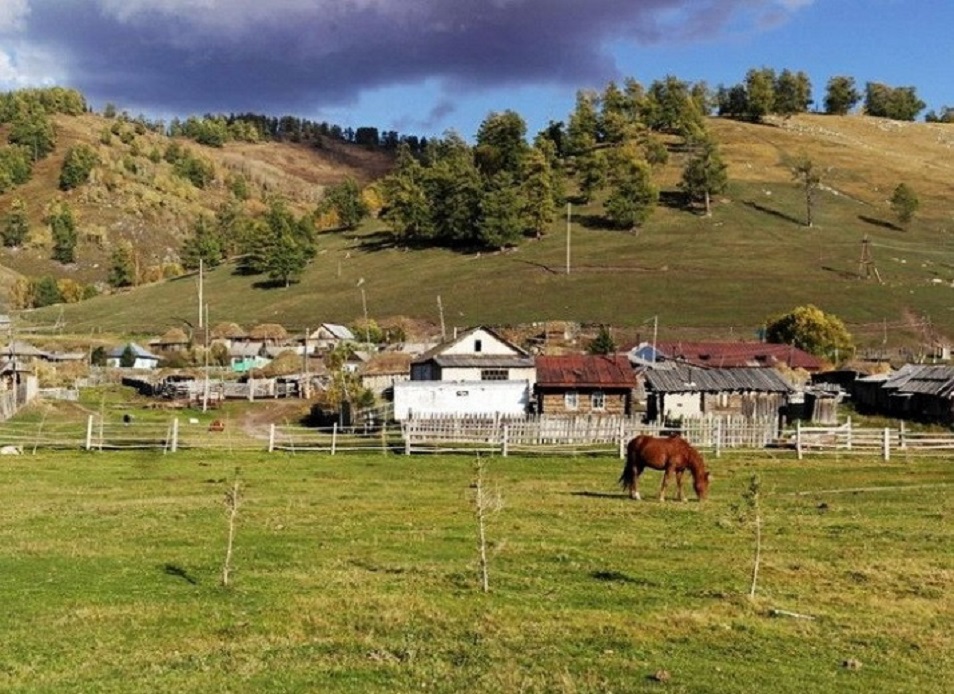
(583, 384)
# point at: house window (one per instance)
(571, 400)
(478, 345)
(493, 374)
(598, 400)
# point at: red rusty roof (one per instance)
(730, 354)
(609, 371)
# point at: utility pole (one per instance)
(568, 208)
(440, 310)
(655, 332)
(201, 300)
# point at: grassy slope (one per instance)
(358, 573)
(703, 277)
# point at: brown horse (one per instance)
(673, 454)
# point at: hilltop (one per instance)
(698, 276)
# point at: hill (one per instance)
(716, 276)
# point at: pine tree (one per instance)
(63, 231)
(633, 195)
(122, 269)
(500, 213)
(704, 174)
(16, 225)
(904, 202)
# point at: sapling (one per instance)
(484, 505)
(232, 501)
(749, 510)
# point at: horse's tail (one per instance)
(627, 479)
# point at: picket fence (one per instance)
(493, 436)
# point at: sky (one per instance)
(426, 67)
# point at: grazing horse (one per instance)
(672, 454)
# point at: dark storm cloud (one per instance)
(290, 56)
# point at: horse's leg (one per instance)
(634, 492)
(679, 474)
(667, 473)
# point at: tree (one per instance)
(760, 93)
(501, 221)
(122, 266)
(811, 329)
(583, 127)
(204, 246)
(16, 224)
(603, 343)
(286, 258)
(501, 144)
(793, 93)
(633, 195)
(77, 166)
(46, 292)
(32, 129)
(705, 174)
(808, 178)
(897, 103)
(127, 359)
(841, 95)
(63, 231)
(539, 206)
(16, 167)
(407, 210)
(904, 202)
(346, 201)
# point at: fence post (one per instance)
(89, 432)
(503, 440)
(334, 437)
(848, 440)
(718, 438)
(406, 433)
(902, 438)
(798, 439)
(622, 438)
(175, 435)
(887, 444)
(271, 437)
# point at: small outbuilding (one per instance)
(584, 384)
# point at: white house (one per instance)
(476, 373)
(143, 358)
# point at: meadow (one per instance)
(360, 573)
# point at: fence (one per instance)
(496, 436)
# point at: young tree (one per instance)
(904, 202)
(633, 195)
(122, 267)
(77, 166)
(501, 221)
(793, 93)
(346, 201)
(33, 129)
(704, 174)
(45, 292)
(760, 93)
(841, 95)
(16, 224)
(501, 144)
(407, 210)
(603, 343)
(808, 178)
(811, 329)
(204, 245)
(539, 206)
(63, 231)
(584, 125)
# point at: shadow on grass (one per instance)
(674, 199)
(619, 496)
(843, 274)
(883, 223)
(774, 213)
(178, 572)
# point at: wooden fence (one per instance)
(584, 435)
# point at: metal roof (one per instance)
(482, 361)
(924, 379)
(585, 370)
(690, 379)
(738, 354)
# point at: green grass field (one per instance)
(359, 574)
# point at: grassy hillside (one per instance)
(718, 276)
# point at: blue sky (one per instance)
(427, 66)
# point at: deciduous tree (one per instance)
(808, 178)
(811, 329)
(904, 202)
(705, 174)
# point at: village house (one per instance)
(142, 358)
(584, 384)
(327, 336)
(687, 391)
(478, 372)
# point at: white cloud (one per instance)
(12, 15)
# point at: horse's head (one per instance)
(700, 476)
